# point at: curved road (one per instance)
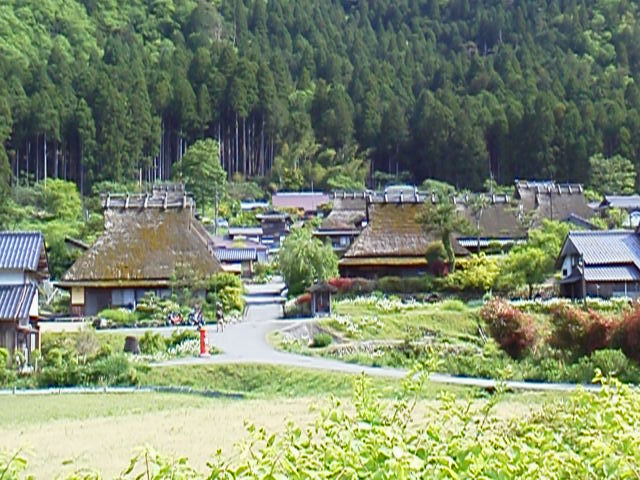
(246, 342)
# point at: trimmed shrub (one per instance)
(321, 340)
(578, 331)
(352, 285)
(152, 343)
(119, 315)
(180, 336)
(113, 370)
(628, 335)
(344, 285)
(513, 330)
(405, 285)
(304, 299)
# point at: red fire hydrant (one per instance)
(204, 351)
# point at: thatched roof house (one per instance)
(345, 221)
(392, 243)
(500, 223)
(552, 201)
(147, 238)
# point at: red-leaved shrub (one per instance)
(512, 329)
(305, 298)
(352, 285)
(579, 331)
(344, 285)
(629, 333)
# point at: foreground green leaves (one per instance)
(590, 435)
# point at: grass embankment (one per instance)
(266, 381)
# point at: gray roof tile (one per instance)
(613, 273)
(15, 301)
(20, 250)
(607, 248)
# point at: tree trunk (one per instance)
(244, 147)
(81, 171)
(37, 158)
(261, 159)
(28, 153)
(44, 159)
(235, 168)
(55, 159)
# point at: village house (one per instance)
(148, 240)
(563, 202)
(630, 204)
(500, 223)
(345, 221)
(393, 243)
(252, 234)
(600, 264)
(23, 266)
(240, 256)
(275, 226)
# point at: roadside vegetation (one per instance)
(89, 359)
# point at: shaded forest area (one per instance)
(318, 93)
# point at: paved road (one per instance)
(246, 342)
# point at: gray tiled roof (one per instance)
(15, 301)
(236, 254)
(612, 273)
(606, 248)
(20, 250)
(625, 202)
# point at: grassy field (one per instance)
(104, 430)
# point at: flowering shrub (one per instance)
(512, 329)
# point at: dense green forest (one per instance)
(319, 93)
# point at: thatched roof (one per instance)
(552, 200)
(393, 231)
(498, 220)
(143, 245)
(343, 220)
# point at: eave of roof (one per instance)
(383, 261)
(151, 283)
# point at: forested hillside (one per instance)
(318, 91)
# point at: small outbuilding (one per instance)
(321, 299)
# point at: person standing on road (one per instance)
(219, 318)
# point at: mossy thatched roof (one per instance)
(145, 244)
(393, 231)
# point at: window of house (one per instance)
(564, 272)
